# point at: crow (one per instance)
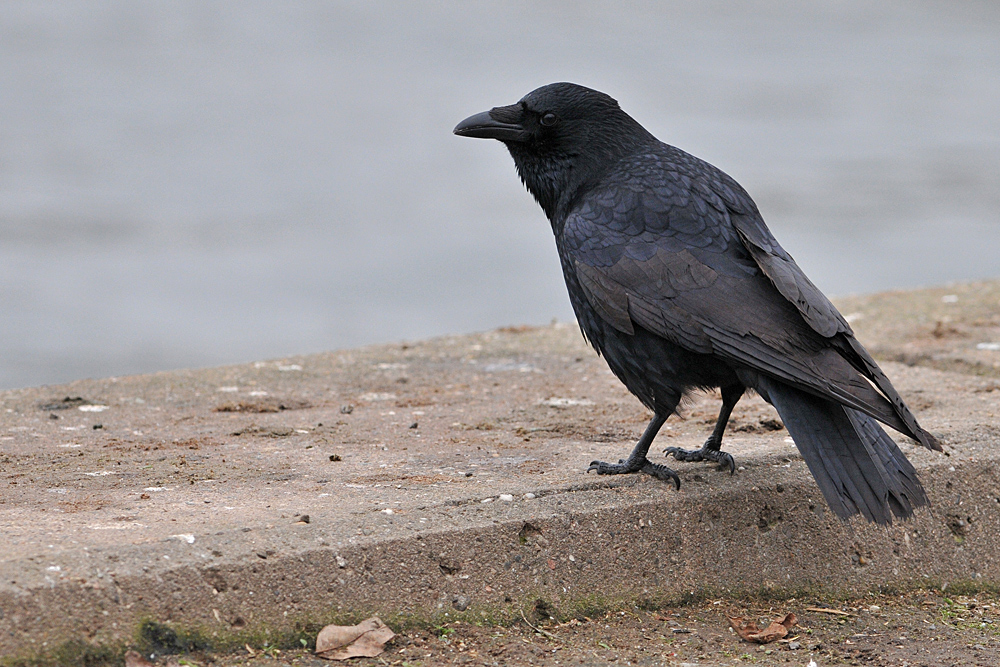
(678, 283)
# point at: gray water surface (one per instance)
(191, 183)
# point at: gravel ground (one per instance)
(921, 628)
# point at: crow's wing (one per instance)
(655, 247)
(821, 315)
(778, 265)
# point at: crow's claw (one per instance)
(639, 465)
(662, 472)
(724, 459)
(620, 468)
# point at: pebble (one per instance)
(529, 496)
(506, 497)
(794, 646)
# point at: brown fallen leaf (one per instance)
(133, 659)
(749, 631)
(366, 639)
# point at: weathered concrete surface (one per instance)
(185, 506)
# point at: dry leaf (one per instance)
(366, 639)
(133, 659)
(751, 633)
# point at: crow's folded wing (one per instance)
(786, 276)
(676, 266)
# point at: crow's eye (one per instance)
(549, 119)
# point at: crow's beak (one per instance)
(483, 126)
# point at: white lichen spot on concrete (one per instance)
(565, 402)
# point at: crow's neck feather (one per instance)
(557, 176)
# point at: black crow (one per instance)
(678, 283)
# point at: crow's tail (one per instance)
(858, 468)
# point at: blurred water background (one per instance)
(188, 183)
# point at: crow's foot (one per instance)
(636, 465)
(706, 453)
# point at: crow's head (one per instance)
(561, 136)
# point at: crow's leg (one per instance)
(712, 449)
(637, 460)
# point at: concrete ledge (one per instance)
(185, 506)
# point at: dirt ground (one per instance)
(917, 629)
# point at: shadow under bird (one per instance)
(678, 283)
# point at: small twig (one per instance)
(538, 630)
(824, 610)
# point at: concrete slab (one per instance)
(446, 477)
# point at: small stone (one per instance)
(486, 500)
(794, 646)
(341, 562)
(468, 474)
(304, 518)
(414, 425)
(460, 602)
(346, 409)
(335, 457)
(874, 609)
(529, 496)
(506, 497)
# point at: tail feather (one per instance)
(871, 369)
(858, 467)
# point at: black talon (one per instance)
(637, 461)
(636, 465)
(711, 450)
(662, 472)
(706, 453)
